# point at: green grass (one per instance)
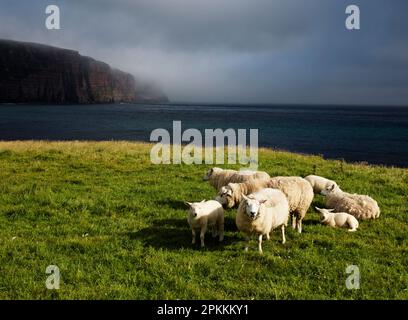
(116, 227)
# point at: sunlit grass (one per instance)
(116, 227)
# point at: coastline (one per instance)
(51, 144)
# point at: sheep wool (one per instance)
(260, 213)
(338, 219)
(300, 196)
(219, 177)
(319, 183)
(206, 215)
(232, 194)
(360, 206)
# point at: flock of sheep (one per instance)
(265, 203)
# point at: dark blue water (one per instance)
(377, 135)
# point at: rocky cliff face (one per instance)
(39, 73)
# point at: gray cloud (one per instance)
(259, 51)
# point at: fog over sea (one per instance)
(377, 135)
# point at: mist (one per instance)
(235, 51)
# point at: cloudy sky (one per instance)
(235, 51)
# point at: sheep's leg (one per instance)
(293, 222)
(221, 232)
(351, 226)
(268, 236)
(193, 241)
(203, 230)
(214, 231)
(283, 234)
(299, 225)
(260, 244)
(247, 239)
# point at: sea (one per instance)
(372, 134)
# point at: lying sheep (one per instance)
(232, 194)
(260, 213)
(299, 193)
(319, 183)
(338, 219)
(360, 206)
(219, 177)
(203, 215)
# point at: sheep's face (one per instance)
(323, 212)
(252, 207)
(225, 197)
(208, 174)
(195, 209)
(331, 185)
(330, 188)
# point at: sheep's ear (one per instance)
(245, 197)
(330, 210)
(203, 201)
(229, 192)
(262, 201)
(332, 187)
(318, 209)
(188, 204)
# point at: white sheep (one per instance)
(260, 213)
(319, 183)
(232, 194)
(220, 177)
(204, 215)
(338, 219)
(299, 193)
(360, 206)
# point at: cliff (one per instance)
(38, 73)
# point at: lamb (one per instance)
(231, 195)
(319, 183)
(338, 219)
(260, 213)
(219, 177)
(300, 195)
(203, 215)
(360, 206)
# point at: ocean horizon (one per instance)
(372, 134)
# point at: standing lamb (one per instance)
(260, 213)
(338, 219)
(319, 183)
(232, 194)
(360, 206)
(219, 177)
(203, 215)
(299, 193)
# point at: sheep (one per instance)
(360, 206)
(319, 183)
(338, 219)
(232, 194)
(260, 213)
(219, 177)
(300, 195)
(203, 215)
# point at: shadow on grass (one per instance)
(175, 234)
(173, 204)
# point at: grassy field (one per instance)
(116, 227)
